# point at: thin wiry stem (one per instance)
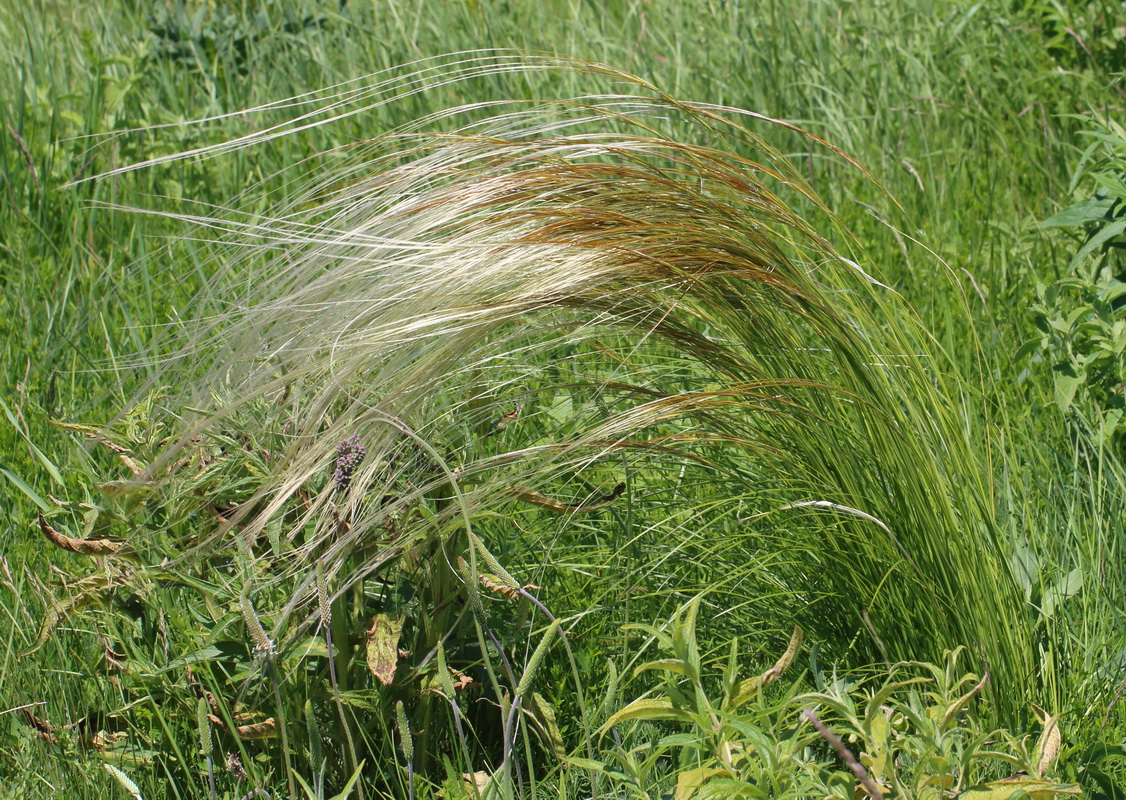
(857, 769)
(325, 609)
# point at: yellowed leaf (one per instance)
(690, 780)
(1035, 789)
(475, 783)
(649, 709)
(1049, 744)
(750, 687)
(383, 647)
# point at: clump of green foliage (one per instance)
(913, 733)
(1080, 315)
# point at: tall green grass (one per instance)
(646, 293)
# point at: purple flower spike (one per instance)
(349, 455)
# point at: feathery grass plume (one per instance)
(660, 287)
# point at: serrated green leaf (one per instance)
(1067, 586)
(1027, 349)
(1026, 568)
(1077, 215)
(1110, 426)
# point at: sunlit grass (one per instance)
(558, 302)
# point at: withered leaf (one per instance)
(383, 647)
(265, 729)
(86, 547)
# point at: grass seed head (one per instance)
(263, 646)
(405, 737)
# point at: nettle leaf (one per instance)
(1111, 426)
(1067, 586)
(1119, 334)
(1074, 318)
(1114, 290)
(1026, 569)
(1093, 209)
(1027, 349)
(1059, 324)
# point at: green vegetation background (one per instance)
(973, 120)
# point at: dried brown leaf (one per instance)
(266, 729)
(86, 547)
(491, 583)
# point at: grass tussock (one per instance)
(691, 319)
(468, 372)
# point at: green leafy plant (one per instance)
(632, 304)
(1080, 316)
(1081, 35)
(917, 734)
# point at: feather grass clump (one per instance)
(553, 298)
